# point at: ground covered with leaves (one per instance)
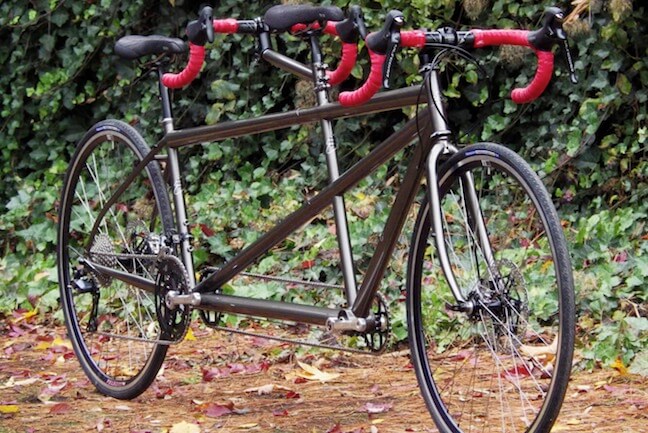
(216, 382)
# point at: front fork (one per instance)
(442, 148)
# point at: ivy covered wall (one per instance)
(588, 141)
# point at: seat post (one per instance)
(339, 210)
(165, 99)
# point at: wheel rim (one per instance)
(491, 369)
(116, 352)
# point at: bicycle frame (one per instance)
(424, 161)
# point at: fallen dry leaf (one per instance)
(9, 408)
(373, 408)
(267, 389)
(60, 408)
(184, 427)
(280, 412)
(27, 315)
(292, 394)
(214, 410)
(12, 382)
(540, 351)
(620, 367)
(335, 429)
(311, 373)
(189, 336)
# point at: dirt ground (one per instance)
(217, 382)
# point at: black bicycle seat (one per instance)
(283, 17)
(134, 47)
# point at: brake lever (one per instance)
(355, 12)
(392, 48)
(352, 27)
(386, 42)
(201, 31)
(551, 33)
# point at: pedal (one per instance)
(211, 319)
(346, 322)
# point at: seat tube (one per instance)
(339, 209)
(173, 167)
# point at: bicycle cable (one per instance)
(446, 50)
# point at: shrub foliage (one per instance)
(588, 141)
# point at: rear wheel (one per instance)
(500, 360)
(113, 324)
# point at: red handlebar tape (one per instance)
(227, 25)
(412, 38)
(197, 57)
(349, 52)
(191, 71)
(544, 70)
(370, 87)
(347, 62)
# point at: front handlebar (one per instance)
(544, 69)
(541, 41)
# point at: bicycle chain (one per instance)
(296, 341)
(292, 281)
(212, 324)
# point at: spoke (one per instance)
(102, 196)
(502, 393)
(528, 369)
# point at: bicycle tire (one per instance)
(505, 365)
(112, 325)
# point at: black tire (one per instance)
(113, 325)
(505, 365)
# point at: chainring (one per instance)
(172, 277)
(377, 338)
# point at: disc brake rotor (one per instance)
(508, 321)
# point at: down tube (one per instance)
(381, 154)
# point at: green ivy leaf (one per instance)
(623, 84)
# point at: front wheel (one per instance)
(500, 358)
(113, 324)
